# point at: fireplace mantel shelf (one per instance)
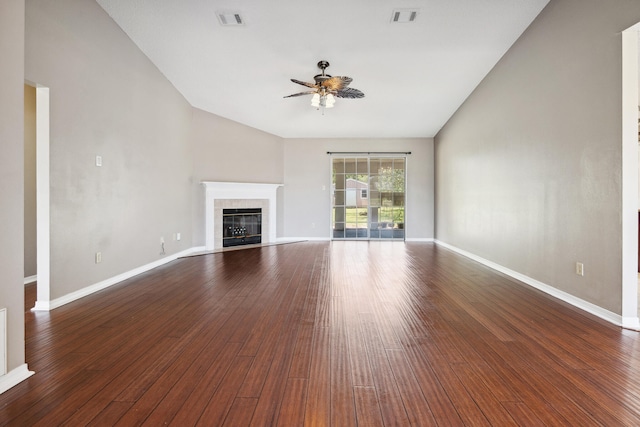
(216, 190)
(260, 188)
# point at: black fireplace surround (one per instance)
(241, 227)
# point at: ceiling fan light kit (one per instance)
(327, 88)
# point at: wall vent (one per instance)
(230, 19)
(404, 16)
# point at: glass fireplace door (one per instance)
(368, 196)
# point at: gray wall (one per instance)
(11, 176)
(528, 170)
(108, 99)
(30, 205)
(224, 150)
(307, 170)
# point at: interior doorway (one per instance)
(368, 197)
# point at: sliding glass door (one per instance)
(368, 195)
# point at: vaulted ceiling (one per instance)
(414, 75)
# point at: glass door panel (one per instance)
(368, 198)
(338, 191)
(399, 167)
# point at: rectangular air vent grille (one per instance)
(230, 19)
(404, 16)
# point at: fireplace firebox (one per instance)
(241, 227)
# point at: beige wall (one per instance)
(307, 201)
(11, 176)
(529, 168)
(108, 99)
(30, 231)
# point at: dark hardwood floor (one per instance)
(325, 334)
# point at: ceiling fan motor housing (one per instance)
(319, 78)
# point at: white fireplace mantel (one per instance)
(238, 191)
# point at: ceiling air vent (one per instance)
(230, 19)
(404, 16)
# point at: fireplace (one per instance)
(238, 195)
(241, 227)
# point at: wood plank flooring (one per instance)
(324, 334)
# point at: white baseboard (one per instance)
(302, 239)
(30, 279)
(609, 316)
(632, 323)
(66, 299)
(14, 377)
(193, 250)
(328, 239)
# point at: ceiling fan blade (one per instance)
(309, 92)
(313, 85)
(336, 83)
(349, 92)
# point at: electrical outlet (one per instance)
(98, 257)
(178, 237)
(579, 269)
(161, 240)
(98, 160)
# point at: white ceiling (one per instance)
(414, 75)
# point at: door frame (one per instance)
(43, 299)
(630, 104)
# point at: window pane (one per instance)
(374, 198)
(386, 199)
(350, 217)
(385, 164)
(350, 165)
(374, 166)
(338, 198)
(374, 215)
(386, 216)
(362, 215)
(398, 215)
(338, 165)
(363, 166)
(350, 197)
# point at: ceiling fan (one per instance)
(326, 88)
